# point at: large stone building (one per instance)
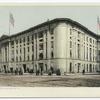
(57, 44)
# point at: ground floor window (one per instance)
(70, 67)
(46, 69)
(90, 67)
(87, 67)
(78, 69)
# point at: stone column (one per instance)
(9, 57)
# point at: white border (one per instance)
(48, 91)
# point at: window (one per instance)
(24, 54)
(70, 68)
(12, 59)
(16, 41)
(41, 56)
(40, 35)
(90, 40)
(20, 58)
(32, 42)
(87, 67)
(78, 34)
(28, 39)
(28, 49)
(20, 41)
(87, 39)
(52, 44)
(52, 31)
(70, 53)
(70, 31)
(28, 57)
(52, 55)
(41, 46)
(46, 48)
(87, 53)
(20, 50)
(46, 67)
(32, 37)
(32, 48)
(99, 52)
(90, 54)
(32, 57)
(24, 39)
(16, 59)
(52, 37)
(41, 40)
(84, 52)
(70, 44)
(78, 50)
(12, 42)
(16, 51)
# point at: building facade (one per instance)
(57, 44)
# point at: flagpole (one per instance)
(9, 44)
(9, 26)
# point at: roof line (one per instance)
(57, 20)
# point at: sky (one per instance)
(29, 16)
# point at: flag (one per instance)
(11, 19)
(98, 23)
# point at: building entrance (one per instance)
(41, 68)
(24, 68)
(90, 68)
(5, 68)
(78, 68)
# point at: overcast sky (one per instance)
(29, 16)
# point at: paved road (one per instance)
(50, 81)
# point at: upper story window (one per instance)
(70, 53)
(87, 39)
(12, 42)
(78, 50)
(24, 39)
(90, 40)
(28, 58)
(70, 44)
(20, 40)
(16, 51)
(93, 41)
(78, 34)
(41, 46)
(52, 54)
(52, 44)
(16, 41)
(32, 37)
(41, 56)
(32, 57)
(70, 31)
(40, 35)
(32, 48)
(52, 31)
(28, 39)
(28, 49)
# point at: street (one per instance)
(50, 81)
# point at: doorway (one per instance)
(5, 68)
(41, 68)
(24, 67)
(90, 67)
(78, 69)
